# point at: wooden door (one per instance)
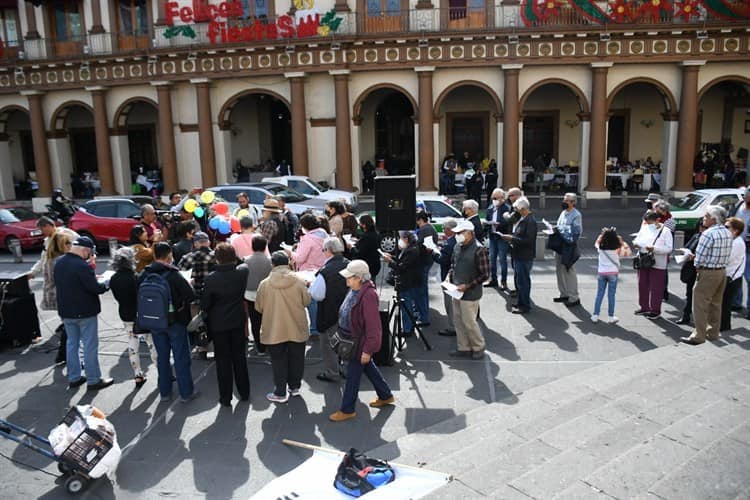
(67, 27)
(538, 137)
(466, 14)
(384, 16)
(132, 24)
(468, 135)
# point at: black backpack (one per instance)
(357, 474)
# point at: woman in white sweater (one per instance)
(735, 270)
(657, 239)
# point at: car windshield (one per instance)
(9, 215)
(688, 202)
(289, 194)
(319, 187)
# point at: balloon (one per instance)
(208, 196)
(199, 212)
(243, 213)
(234, 224)
(190, 205)
(214, 223)
(221, 208)
(224, 227)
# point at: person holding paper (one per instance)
(569, 227)
(406, 269)
(735, 268)
(523, 249)
(688, 274)
(427, 238)
(655, 238)
(470, 268)
(445, 257)
(366, 247)
(498, 246)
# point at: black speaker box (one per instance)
(395, 203)
(384, 357)
(14, 284)
(19, 322)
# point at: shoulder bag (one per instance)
(646, 260)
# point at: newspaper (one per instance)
(452, 290)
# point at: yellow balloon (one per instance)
(243, 213)
(208, 196)
(191, 205)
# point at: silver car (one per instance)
(258, 191)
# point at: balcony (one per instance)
(423, 23)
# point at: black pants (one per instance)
(256, 319)
(288, 363)
(229, 351)
(730, 291)
(688, 309)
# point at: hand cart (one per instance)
(78, 459)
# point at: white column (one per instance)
(499, 157)
(7, 188)
(583, 166)
(61, 163)
(121, 163)
(669, 160)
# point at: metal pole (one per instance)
(624, 199)
(542, 200)
(541, 245)
(113, 246)
(16, 250)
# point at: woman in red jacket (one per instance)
(359, 316)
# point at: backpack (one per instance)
(154, 303)
(358, 474)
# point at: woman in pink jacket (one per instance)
(359, 316)
(309, 253)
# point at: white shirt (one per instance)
(662, 244)
(736, 265)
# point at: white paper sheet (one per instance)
(307, 276)
(286, 247)
(188, 275)
(451, 290)
(430, 245)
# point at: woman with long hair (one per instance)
(610, 247)
(144, 255)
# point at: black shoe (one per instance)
(653, 315)
(560, 299)
(683, 321)
(491, 284)
(421, 324)
(640, 312)
(477, 355)
(459, 354)
(448, 332)
(104, 382)
(747, 316)
(513, 293)
(409, 333)
(736, 308)
(325, 377)
(518, 310)
(504, 286)
(77, 383)
(60, 359)
(573, 304)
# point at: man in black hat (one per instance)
(78, 305)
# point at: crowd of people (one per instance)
(279, 281)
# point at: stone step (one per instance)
(588, 435)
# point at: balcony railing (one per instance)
(500, 19)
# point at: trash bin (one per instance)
(541, 245)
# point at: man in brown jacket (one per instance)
(282, 299)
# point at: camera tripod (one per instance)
(394, 317)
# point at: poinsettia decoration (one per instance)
(621, 11)
(687, 9)
(548, 9)
(653, 8)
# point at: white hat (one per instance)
(464, 225)
(355, 268)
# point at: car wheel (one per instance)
(9, 240)
(388, 243)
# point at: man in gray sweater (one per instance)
(259, 267)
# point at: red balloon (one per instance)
(221, 208)
(234, 224)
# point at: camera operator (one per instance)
(151, 224)
(407, 272)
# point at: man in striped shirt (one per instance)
(711, 259)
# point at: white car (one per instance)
(689, 209)
(309, 187)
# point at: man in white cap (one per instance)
(469, 270)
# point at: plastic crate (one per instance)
(87, 450)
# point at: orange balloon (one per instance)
(221, 208)
(234, 224)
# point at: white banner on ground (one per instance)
(313, 480)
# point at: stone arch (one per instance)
(121, 115)
(583, 103)
(357, 109)
(5, 115)
(725, 78)
(59, 117)
(670, 104)
(226, 109)
(469, 83)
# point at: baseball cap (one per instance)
(464, 225)
(200, 236)
(84, 241)
(653, 197)
(355, 268)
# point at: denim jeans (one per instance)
(83, 331)
(410, 301)
(422, 299)
(608, 282)
(522, 269)
(499, 250)
(312, 310)
(175, 340)
(354, 376)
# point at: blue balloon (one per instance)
(214, 223)
(225, 227)
(198, 212)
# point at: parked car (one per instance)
(309, 187)
(295, 201)
(19, 223)
(689, 209)
(106, 218)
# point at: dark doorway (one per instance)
(281, 131)
(83, 150)
(468, 134)
(394, 133)
(27, 151)
(539, 136)
(142, 147)
(617, 135)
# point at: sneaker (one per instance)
(378, 403)
(653, 315)
(613, 320)
(560, 299)
(165, 399)
(595, 318)
(477, 355)
(272, 397)
(194, 395)
(340, 416)
(104, 382)
(640, 312)
(295, 393)
(77, 383)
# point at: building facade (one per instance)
(192, 88)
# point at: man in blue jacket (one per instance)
(78, 305)
(444, 257)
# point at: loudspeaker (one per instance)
(19, 322)
(14, 284)
(395, 202)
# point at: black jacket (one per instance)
(77, 289)
(367, 250)
(336, 290)
(445, 258)
(502, 224)
(223, 298)
(478, 229)
(182, 292)
(124, 286)
(523, 244)
(181, 249)
(408, 267)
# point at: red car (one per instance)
(106, 218)
(19, 223)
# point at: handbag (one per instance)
(646, 260)
(344, 345)
(199, 330)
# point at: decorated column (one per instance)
(426, 153)
(205, 131)
(344, 165)
(687, 128)
(299, 123)
(166, 136)
(39, 138)
(598, 138)
(510, 125)
(103, 147)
